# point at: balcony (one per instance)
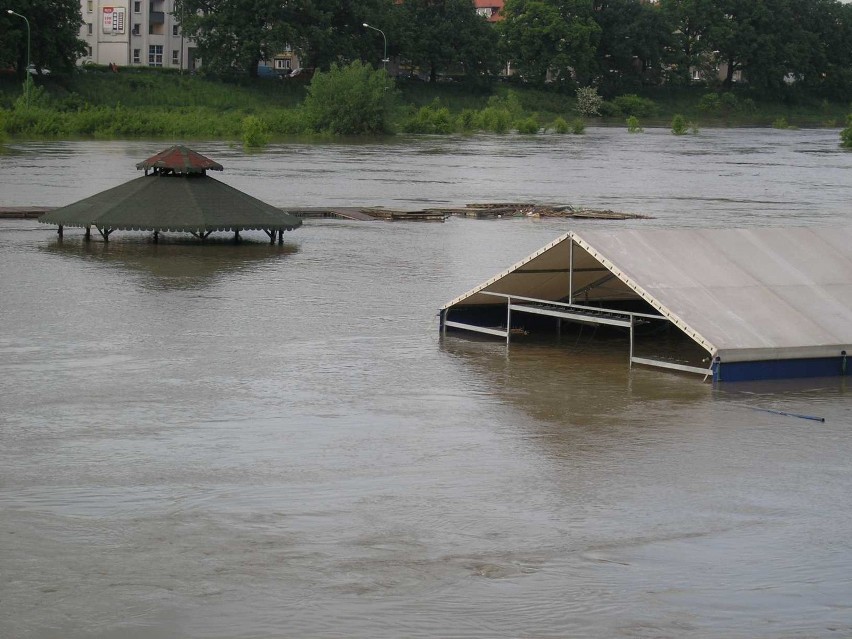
(156, 17)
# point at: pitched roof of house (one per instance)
(495, 7)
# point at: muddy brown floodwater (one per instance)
(214, 441)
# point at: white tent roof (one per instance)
(743, 294)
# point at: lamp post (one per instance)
(385, 59)
(27, 73)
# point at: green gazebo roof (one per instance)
(178, 196)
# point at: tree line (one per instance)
(616, 45)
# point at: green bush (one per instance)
(429, 119)
(679, 126)
(528, 125)
(254, 132)
(632, 104)
(350, 100)
(285, 122)
(780, 123)
(561, 126)
(710, 103)
(729, 103)
(467, 120)
(509, 102)
(610, 110)
(633, 125)
(578, 127)
(846, 134)
(495, 119)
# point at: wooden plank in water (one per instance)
(23, 212)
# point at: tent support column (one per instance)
(632, 325)
(59, 231)
(88, 235)
(571, 271)
(156, 236)
(104, 233)
(508, 320)
(236, 236)
(280, 237)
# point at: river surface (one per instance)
(219, 441)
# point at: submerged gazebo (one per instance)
(177, 195)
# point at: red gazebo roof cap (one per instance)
(180, 159)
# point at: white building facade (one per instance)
(135, 33)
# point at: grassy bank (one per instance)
(162, 104)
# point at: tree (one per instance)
(750, 37)
(690, 22)
(54, 26)
(634, 39)
(331, 30)
(552, 39)
(444, 35)
(234, 35)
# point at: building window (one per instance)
(89, 28)
(155, 55)
(136, 28)
(175, 57)
(89, 6)
(137, 56)
(282, 63)
(174, 30)
(89, 49)
(137, 7)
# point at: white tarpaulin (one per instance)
(743, 294)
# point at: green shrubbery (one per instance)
(437, 119)
(846, 134)
(350, 100)
(679, 125)
(725, 104)
(528, 125)
(561, 126)
(143, 103)
(434, 119)
(633, 125)
(631, 104)
(254, 132)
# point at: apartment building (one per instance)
(135, 33)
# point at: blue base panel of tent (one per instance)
(780, 369)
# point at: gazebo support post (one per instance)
(156, 237)
(236, 236)
(88, 234)
(59, 231)
(280, 237)
(104, 233)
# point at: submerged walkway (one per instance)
(437, 214)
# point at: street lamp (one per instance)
(27, 74)
(385, 59)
